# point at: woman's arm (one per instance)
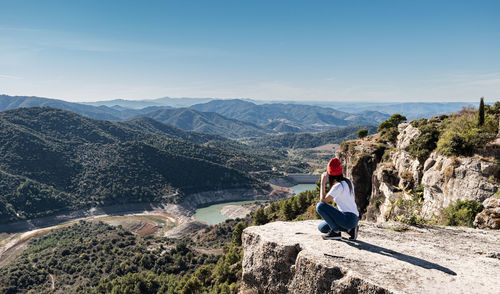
(322, 193)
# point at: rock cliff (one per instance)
(382, 173)
(283, 257)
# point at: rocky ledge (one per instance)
(291, 257)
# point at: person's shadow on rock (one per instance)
(400, 256)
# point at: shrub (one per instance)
(362, 133)
(462, 213)
(426, 142)
(389, 129)
(409, 210)
(392, 122)
(389, 135)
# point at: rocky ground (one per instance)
(292, 257)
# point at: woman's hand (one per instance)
(324, 177)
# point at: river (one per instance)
(212, 216)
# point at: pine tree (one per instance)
(238, 230)
(480, 113)
(287, 210)
(260, 217)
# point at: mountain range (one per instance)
(230, 118)
(412, 110)
(301, 117)
(139, 104)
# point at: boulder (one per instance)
(291, 257)
(489, 218)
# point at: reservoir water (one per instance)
(212, 216)
(303, 187)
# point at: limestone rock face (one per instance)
(489, 218)
(384, 179)
(408, 168)
(407, 133)
(463, 178)
(283, 257)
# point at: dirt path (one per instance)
(52, 280)
(209, 251)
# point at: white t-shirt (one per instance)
(344, 197)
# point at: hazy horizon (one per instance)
(346, 101)
(384, 51)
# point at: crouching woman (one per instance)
(346, 217)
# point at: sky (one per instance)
(425, 51)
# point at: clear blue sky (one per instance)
(283, 50)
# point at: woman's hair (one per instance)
(339, 178)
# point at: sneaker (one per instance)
(353, 233)
(332, 236)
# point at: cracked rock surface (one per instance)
(291, 257)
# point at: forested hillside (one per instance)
(102, 112)
(53, 160)
(207, 122)
(311, 140)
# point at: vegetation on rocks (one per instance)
(408, 209)
(462, 213)
(458, 134)
(426, 142)
(462, 134)
(388, 129)
(362, 133)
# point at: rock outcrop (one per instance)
(463, 178)
(283, 257)
(490, 216)
(381, 179)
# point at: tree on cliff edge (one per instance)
(480, 113)
(362, 133)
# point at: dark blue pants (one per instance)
(335, 219)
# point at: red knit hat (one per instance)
(334, 167)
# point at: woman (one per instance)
(346, 217)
